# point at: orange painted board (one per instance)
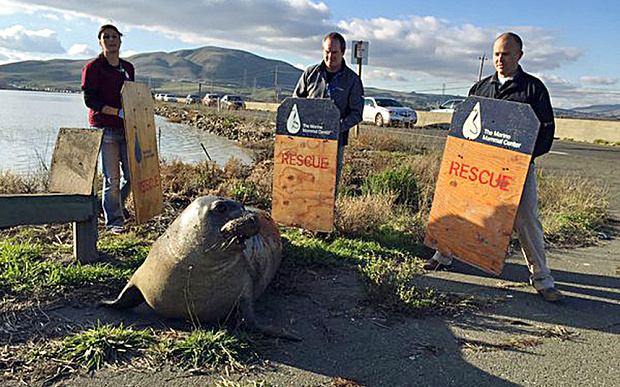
(142, 149)
(304, 182)
(478, 192)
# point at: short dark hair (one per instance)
(515, 38)
(105, 27)
(338, 37)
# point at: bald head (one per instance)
(507, 51)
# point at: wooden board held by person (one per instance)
(483, 170)
(142, 150)
(305, 155)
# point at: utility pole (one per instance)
(482, 59)
(443, 92)
(275, 83)
(200, 89)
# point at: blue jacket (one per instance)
(345, 90)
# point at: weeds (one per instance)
(399, 182)
(229, 383)
(212, 349)
(31, 182)
(104, 345)
(391, 284)
(572, 209)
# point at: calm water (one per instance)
(29, 123)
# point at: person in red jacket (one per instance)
(102, 80)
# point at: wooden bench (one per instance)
(72, 198)
(33, 209)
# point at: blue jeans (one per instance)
(113, 159)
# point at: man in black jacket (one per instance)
(511, 83)
(334, 80)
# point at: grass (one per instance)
(104, 345)
(205, 349)
(391, 284)
(116, 345)
(572, 209)
(25, 268)
(252, 383)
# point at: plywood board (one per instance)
(476, 199)
(74, 162)
(304, 181)
(142, 149)
(480, 182)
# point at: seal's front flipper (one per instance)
(130, 297)
(249, 321)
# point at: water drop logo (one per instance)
(137, 149)
(293, 124)
(473, 124)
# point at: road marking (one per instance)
(559, 153)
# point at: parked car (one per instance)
(160, 97)
(211, 99)
(232, 102)
(448, 106)
(171, 98)
(192, 98)
(387, 111)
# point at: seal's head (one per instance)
(224, 223)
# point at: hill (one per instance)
(221, 70)
(213, 66)
(610, 110)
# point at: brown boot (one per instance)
(433, 265)
(551, 294)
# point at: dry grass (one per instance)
(33, 182)
(572, 208)
(360, 215)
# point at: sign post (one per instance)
(305, 155)
(481, 178)
(142, 150)
(359, 55)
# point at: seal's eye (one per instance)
(220, 207)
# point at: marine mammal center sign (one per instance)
(304, 172)
(142, 150)
(485, 162)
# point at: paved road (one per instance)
(581, 334)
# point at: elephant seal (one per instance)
(215, 259)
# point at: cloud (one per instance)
(566, 94)
(383, 75)
(81, 51)
(442, 48)
(18, 38)
(601, 81)
(415, 43)
(128, 53)
(10, 7)
(268, 24)
(51, 16)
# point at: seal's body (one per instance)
(216, 256)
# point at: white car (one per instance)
(448, 106)
(387, 111)
(192, 98)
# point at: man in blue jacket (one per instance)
(511, 83)
(334, 80)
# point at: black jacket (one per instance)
(347, 93)
(527, 89)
